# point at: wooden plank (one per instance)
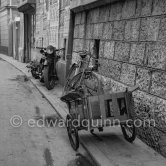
(115, 106)
(115, 95)
(94, 107)
(129, 105)
(102, 107)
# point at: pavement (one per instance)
(107, 148)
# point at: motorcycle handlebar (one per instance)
(87, 53)
(44, 48)
(59, 49)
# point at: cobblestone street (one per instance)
(28, 145)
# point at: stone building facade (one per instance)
(131, 37)
(50, 25)
(51, 28)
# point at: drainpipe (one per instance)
(10, 10)
(59, 3)
(70, 41)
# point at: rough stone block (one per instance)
(112, 86)
(97, 31)
(76, 31)
(143, 79)
(109, 50)
(89, 31)
(122, 51)
(138, 8)
(115, 11)
(95, 15)
(155, 55)
(78, 44)
(160, 116)
(81, 44)
(132, 30)
(100, 30)
(144, 105)
(159, 84)
(78, 18)
(104, 14)
(129, 8)
(81, 31)
(162, 31)
(128, 74)
(110, 68)
(118, 30)
(150, 136)
(159, 7)
(137, 53)
(146, 7)
(149, 29)
(75, 44)
(89, 17)
(83, 17)
(107, 30)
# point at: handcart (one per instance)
(99, 111)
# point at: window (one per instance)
(96, 53)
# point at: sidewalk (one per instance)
(108, 148)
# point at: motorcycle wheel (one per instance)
(34, 74)
(48, 79)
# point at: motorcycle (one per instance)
(46, 69)
(34, 68)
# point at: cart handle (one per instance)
(132, 89)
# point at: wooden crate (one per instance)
(109, 108)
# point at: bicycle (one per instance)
(82, 70)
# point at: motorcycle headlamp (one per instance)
(50, 49)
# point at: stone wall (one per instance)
(50, 25)
(132, 37)
(47, 23)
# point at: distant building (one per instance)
(8, 11)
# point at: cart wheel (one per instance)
(72, 133)
(92, 131)
(129, 132)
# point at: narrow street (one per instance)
(25, 139)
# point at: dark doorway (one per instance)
(27, 37)
(96, 53)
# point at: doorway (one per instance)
(27, 37)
